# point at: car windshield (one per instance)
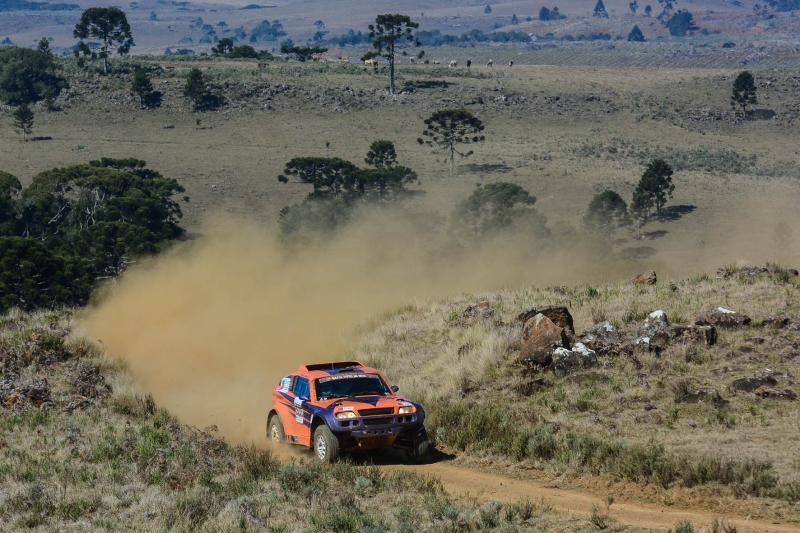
(346, 385)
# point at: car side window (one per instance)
(301, 387)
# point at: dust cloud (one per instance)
(210, 327)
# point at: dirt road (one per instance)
(493, 487)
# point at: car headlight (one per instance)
(345, 414)
(407, 410)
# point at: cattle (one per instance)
(437, 62)
(262, 65)
(490, 63)
(169, 68)
(511, 63)
(426, 61)
(411, 59)
(371, 63)
(344, 58)
(453, 64)
(469, 63)
(317, 58)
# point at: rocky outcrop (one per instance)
(603, 338)
(559, 315)
(656, 329)
(540, 338)
(751, 384)
(769, 393)
(645, 278)
(702, 335)
(722, 318)
(478, 310)
(579, 357)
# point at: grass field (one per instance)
(563, 133)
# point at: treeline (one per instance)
(74, 225)
(437, 38)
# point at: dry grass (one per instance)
(122, 463)
(466, 369)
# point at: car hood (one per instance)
(367, 402)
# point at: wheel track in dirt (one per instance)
(487, 486)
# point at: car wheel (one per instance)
(325, 444)
(418, 453)
(275, 432)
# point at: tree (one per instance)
(26, 75)
(487, 9)
(600, 10)
(153, 16)
(514, 19)
(389, 33)
(381, 154)
(319, 25)
(141, 86)
(655, 186)
(633, 7)
(43, 47)
(607, 212)
(641, 205)
(681, 23)
(300, 53)
(636, 35)
(110, 25)
(550, 14)
(10, 189)
(196, 88)
(224, 46)
(648, 10)
(23, 119)
(744, 91)
(495, 207)
(450, 127)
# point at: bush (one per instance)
(26, 76)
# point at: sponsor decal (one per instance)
(347, 376)
(284, 386)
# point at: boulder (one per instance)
(603, 338)
(702, 335)
(645, 278)
(478, 310)
(752, 384)
(560, 316)
(722, 318)
(768, 393)
(566, 361)
(775, 322)
(793, 272)
(656, 329)
(540, 338)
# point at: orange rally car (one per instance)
(332, 407)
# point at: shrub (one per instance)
(27, 75)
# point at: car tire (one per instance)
(325, 444)
(275, 432)
(418, 454)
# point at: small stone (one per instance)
(645, 278)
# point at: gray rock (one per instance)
(566, 361)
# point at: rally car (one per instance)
(333, 407)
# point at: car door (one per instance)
(284, 402)
(301, 416)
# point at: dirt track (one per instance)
(493, 487)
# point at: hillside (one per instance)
(564, 134)
(86, 449)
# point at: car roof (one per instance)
(321, 370)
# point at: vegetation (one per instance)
(339, 185)
(636, 35)
(607, 212)
(265, 31)
(550, 14)
(142, 87)
(436, 38)
(76, 224)
(23, 119)
(681, 23)
(27, 75)
(449, 128)
(196, 89)
(301, 53)
(600, 10)
(110, 25)
(744, 91)
(389, 34)
(496, 207)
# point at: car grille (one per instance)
(376, 412)
(377, 421)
